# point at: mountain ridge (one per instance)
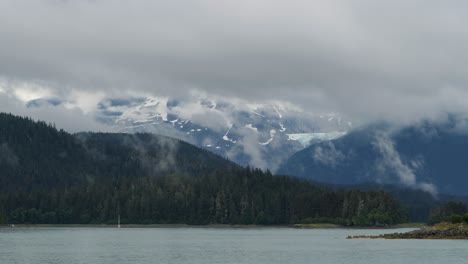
(258, 135)
(431, 156)
(36, 149)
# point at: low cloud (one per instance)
(328, 155)
(146, 149)
(390, 163)
(203, 114)
(69, 119)
(7, 156)
(247, 145)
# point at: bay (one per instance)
(76, 245)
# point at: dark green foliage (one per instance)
(2, 218)
(36, 156)
(236, 196)
(446, 212)
(50, 176)
(465, 218)
(456, 219)
(417, 203)
(360, 208)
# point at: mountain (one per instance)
(35, 154)
(50, 176)
(431, 156)
(260, 135)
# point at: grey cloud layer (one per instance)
(71, 119)
(368, 59)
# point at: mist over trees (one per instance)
(49, 176)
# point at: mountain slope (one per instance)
(260, 135)
(428, 156)
(35, 154)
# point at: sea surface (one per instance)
(219, 245)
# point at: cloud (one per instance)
(71, 119)
(328, 155)
(390, 163)
(394, 59)
(146, 149)
(247, 145)
(7, 156)
(198, 112)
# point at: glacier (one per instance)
(306, 139)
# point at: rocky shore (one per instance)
(440, 231)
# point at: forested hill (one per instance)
(36, 155)
(50, 176)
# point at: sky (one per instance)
(369, 60)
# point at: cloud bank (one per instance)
(395, 60)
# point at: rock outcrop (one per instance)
(441, 231)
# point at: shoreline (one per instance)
(139, 226)
(439, 231)
(334, 226)
(293, 226)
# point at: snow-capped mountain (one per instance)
(260, 135)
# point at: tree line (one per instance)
(236, 196)
(455, 212)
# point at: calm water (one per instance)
(218, 245)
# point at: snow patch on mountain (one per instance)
(151, 108)
(250, 126)
(272, 136)
(226, 138)
(283, 129)
(306, 139)
(279, 114)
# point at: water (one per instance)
(218, 245)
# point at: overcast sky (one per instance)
(391, 59)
